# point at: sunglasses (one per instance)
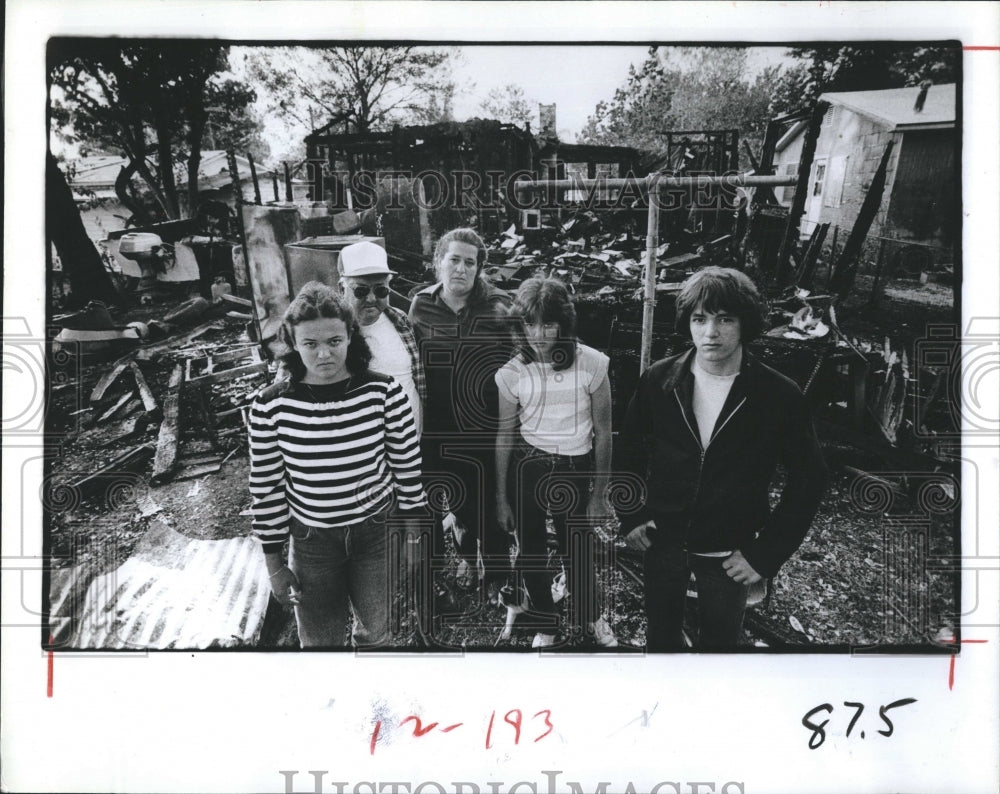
(380, 290)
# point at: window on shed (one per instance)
(818, 178)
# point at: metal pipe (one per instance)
(663, 181)
(656, 182)
(649, 296)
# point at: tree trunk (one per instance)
(193, 164)
(166, 167)
(81, 262)
(140, 216)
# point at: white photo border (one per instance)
(247, 722)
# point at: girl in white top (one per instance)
(556, 394)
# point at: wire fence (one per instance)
(890, 260)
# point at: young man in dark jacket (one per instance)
(706, 430)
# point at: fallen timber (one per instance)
(166, 445)
(654, 184)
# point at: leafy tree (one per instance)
(863, 68)
(149, 100)
(82, 263)
(509, 104)
(364, 88)
(685, 88)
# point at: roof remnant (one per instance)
(895, 106)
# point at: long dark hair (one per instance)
(546, 300)
(314, 301)
(468, 236)
(721, 289)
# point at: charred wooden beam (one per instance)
(847, 265)
(110, 473)
(152, 352)
(109, 377)
(187, 312)
(762, 195)
(801, 191)
(166, 443)
(253, 176)
(148, 401)
(118, 405)
(807, 269)
(236, 300)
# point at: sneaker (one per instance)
(464, 576)
(508, 626)
(543, 640)
(603, 635)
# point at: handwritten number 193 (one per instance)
(818, 728)
(514, 719)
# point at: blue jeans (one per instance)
(339, 568)
(721, 600)
(558, 485)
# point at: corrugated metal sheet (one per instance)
(177, 592)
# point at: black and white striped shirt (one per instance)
(331, 455)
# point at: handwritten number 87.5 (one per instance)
(819, 734)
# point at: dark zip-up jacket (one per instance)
(716, 499)
(460, 353)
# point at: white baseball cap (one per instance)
(364, 259)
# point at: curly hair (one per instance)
(546, 300)
(722, 289)
(314, 301)
(469, 237)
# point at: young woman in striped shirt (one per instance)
(332, 450)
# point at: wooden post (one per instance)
(649, 296)
(859, 398)
(274, 184)
(288, 183)
(806, 270)
(148, 401)
(241, 231)
(762, 195)
(877, 281)
(847, 264)
(801, 191)
(256, 184)
(833, 257)
(166, 444)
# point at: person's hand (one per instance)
(597, 510)
(638, 538)
(285, 586)
(738, 569)
(505, 517)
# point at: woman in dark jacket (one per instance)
(464, 336)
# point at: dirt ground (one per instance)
(868, 573)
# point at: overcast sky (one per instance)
(576, 78)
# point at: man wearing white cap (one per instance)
(365, 275)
